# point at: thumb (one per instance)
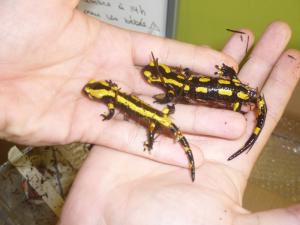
(283, 216)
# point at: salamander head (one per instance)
(155, 73)
(98, 89)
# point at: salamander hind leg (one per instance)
(165, 97)
(226, 72)
(152, 129)
(111, 111)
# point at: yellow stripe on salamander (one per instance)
(100, 93)
(186, 88)
(225, 92)
(201, 89)
(173, 82)
(166, 68)
(204, 79)
(256, 130)
(147, 73)
(221, 81)
(243, 95)
(143, 112)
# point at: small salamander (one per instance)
(225, 91)
(109, 93)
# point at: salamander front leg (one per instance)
(226, 72)
(165, 98)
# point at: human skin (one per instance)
(45, 61)
(116, 188)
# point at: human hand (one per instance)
(45, 61)
(117, 188)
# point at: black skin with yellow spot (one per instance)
(225, 91)
(108, 93)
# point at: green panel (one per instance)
(205, 21)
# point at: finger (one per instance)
(277, 91)
(129, 137)
(283, 216)
(192, 119)
(279, 87)
(101, 182)
(265, 54)
(201, 120)
(239, 44)
(174, 53)
(126, 136)
(86, 197)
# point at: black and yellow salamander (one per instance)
(225, 91)
(109, 93)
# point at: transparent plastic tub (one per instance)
(275, 178)
(35, 182)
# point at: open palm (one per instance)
(50, 50)
(117, 188)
